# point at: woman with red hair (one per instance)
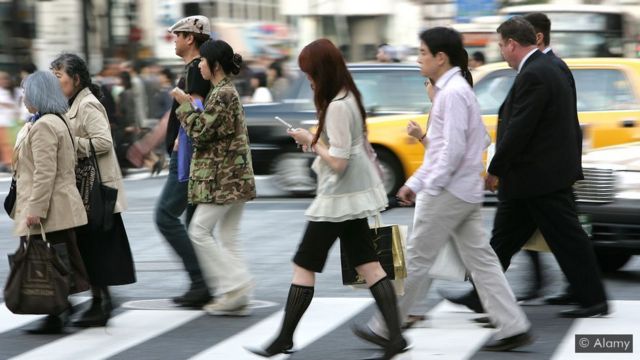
(349, 190)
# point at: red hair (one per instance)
(323, 62)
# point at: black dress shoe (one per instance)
(469, 300)
(195, 297)
(365, 333)
(52, 324)
(561, 299)
(508, 343)
(584, 312)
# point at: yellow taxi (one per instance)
(608, 100)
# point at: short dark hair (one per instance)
(478, 56)
(541, 24)
(198, 38)
(218, 51)
(518, 29)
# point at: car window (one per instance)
(389, 91)
(603, 90)
(392, 91)
(492, 89)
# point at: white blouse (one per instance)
(357, 192)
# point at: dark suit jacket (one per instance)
(537, 144)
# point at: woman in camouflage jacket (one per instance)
(220, 179)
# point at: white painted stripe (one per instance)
(448, 334)
(323, 315)
(623, 319)
(124, 331)
(10, 321)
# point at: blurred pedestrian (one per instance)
(349, 191)
(125, 126)
(476, 59)
(44, 165)
(162, 99)
(261, 93)
(106, 254)
(277, 80)
(387, 54)
(139, 91)
(26, 69)
(9, 112)
(447, 191)
(540, 110)
(221, 179)
(190, 33)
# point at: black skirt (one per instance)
(107, 255)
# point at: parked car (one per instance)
(386, 89)
(608, 99)
(609, 203)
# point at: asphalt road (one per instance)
(146, 326)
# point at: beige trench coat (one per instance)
(88, 119)
(44, 165)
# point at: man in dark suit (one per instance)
(537, 160)
(542, 26)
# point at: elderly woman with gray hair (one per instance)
(44, 166)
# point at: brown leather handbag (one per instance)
(38, 280)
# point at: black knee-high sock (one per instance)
(297, 303)
(385, 297)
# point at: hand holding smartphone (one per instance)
(289, 126)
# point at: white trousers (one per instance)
(442, 218)
(223, 265)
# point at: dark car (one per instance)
(608, 202)
(386, 89)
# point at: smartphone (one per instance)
(289, 126)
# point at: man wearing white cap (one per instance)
(190, 33)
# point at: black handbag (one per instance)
(99, 200)
(10, 200)
(38, 281)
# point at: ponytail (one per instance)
(95, 90)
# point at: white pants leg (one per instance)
(442, 218)
(482, 262)
(223, 265)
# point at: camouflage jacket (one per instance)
(221, 171)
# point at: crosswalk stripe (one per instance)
(10, 321)
(623, 320)
(124, 331)
(449, 334)
(323, 316)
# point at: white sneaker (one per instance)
(236, 302)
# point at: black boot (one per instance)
(385, 297)
(99, 312)
(197, 296)
(297, 303)
(52, 324)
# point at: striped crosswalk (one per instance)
(448, 333)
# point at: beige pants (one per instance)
(223, 265)
(442, 218)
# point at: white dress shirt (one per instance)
(456, 139)
(524, 59)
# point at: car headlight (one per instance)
(628, 186)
